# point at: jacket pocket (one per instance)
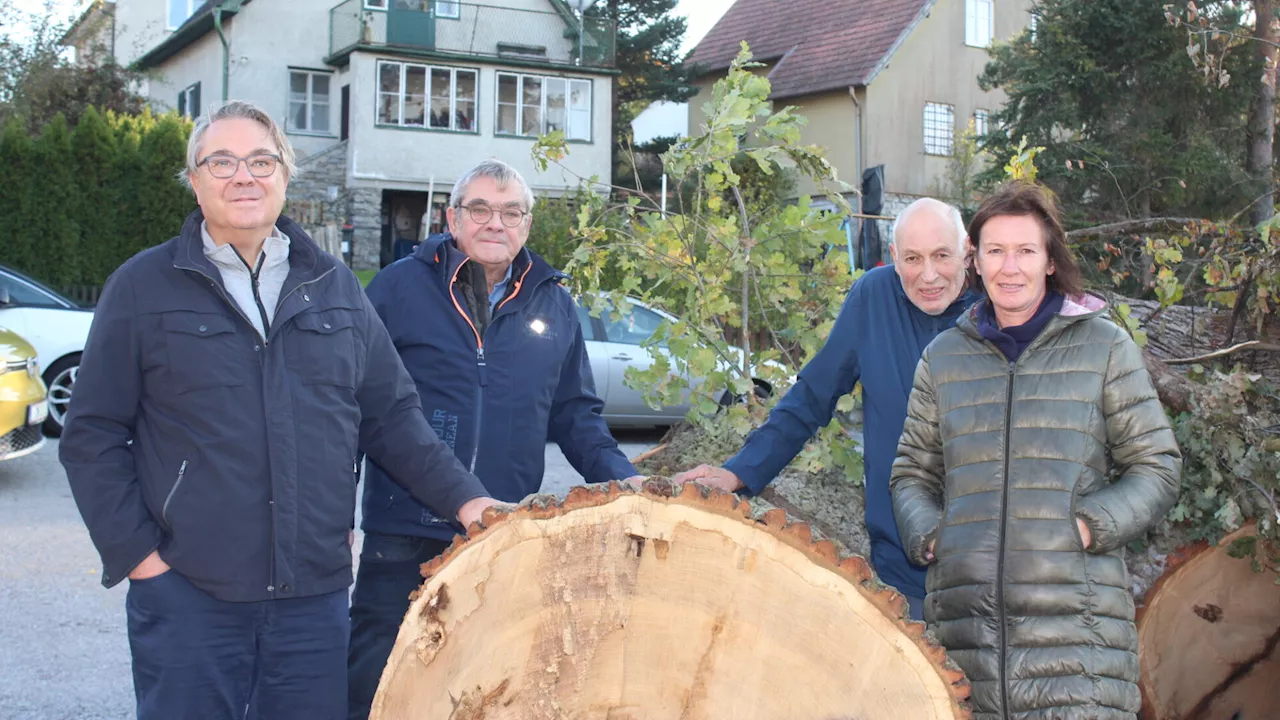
(321, 348)
(173, 493)
(203, 352)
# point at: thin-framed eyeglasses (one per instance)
(482, 213)
(225, 165)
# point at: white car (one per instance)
(56, 327)
(613, 346)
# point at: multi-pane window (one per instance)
(532, 105)
(448, 9)
(981, 122)
(939, 128)
(979, 22)
(426, 96)
(179, 11)
(309, 101)
(189, 101)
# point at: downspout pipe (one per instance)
(853, 95)
(232, 6)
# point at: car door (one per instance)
(623, 336)
(597, 355)
(35, 315)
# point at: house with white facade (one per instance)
(387, 102)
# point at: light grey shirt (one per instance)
(238, 277)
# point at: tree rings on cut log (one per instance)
(1207, 638)
(670, 602)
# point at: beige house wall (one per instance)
(933, 64)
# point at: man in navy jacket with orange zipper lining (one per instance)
(495, 347)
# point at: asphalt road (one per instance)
(64, 654)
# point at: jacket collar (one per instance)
(1074, 309)
(306, 262)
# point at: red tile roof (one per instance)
(822, 44)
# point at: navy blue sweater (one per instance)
(494, 394)
(878, 338)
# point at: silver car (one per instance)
(613, 346)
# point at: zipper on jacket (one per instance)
(1004, 524)
(254, 273)
(164, 509)
(482, 368)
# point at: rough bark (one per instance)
(1207, 638)
(1262, 116)
(671, 602)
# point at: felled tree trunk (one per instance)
(666, 603)
(1207, 639)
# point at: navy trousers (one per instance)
(201, 658)
(389, 571)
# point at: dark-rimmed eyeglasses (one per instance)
(482, 213)
(223, 166)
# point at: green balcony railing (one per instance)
(468, 29)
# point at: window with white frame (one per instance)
(532, 105)
(939, 128)
(426, 96)
(189, 101)
(448, 9)
(309, 101)
(375, 4)
(981, 122)
(979, 22)
(179, 11)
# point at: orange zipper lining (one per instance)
(454, 298)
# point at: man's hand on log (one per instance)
(711, 476)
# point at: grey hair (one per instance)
(950, 213)
(237, 109)
(500, 172)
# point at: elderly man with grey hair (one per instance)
(496, 347)
(889, 317)
(230, 378)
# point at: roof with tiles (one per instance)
(818, 45)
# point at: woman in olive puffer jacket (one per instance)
(1034, 450)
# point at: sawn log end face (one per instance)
(853, 570)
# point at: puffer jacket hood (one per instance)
(997, 461)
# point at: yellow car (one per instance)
(23, 397)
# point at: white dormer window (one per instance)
(179, 11)
(979, 22)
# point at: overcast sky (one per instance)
(702, 15)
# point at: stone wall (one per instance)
(365, 213)
(317, 194)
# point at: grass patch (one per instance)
(364, 276)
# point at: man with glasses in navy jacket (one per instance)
(494, 344)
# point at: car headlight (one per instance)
(33, 368)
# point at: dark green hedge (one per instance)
(76, 203)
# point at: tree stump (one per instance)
(1207, 638)
(670, 602)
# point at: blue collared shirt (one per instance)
(499, 289)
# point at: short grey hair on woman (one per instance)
(501, 173)
(950, 213)
(237, 109)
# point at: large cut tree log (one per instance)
(670, 602)
(1207, 639)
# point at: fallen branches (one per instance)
(1250, 345)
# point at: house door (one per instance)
(412, 23)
